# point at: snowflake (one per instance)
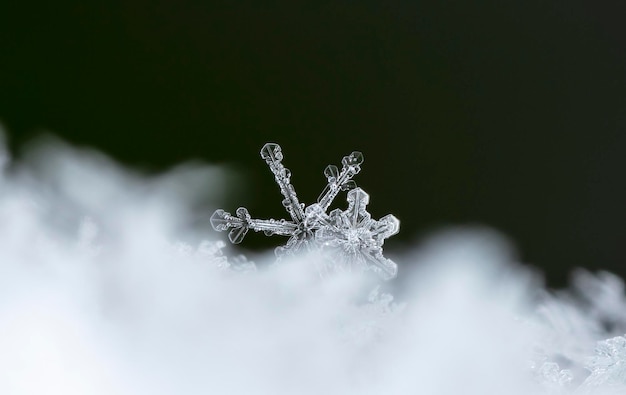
(354, 238)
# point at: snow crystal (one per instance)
(351, 236)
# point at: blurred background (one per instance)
(510, 114)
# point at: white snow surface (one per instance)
(106, 289)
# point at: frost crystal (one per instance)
(551, 377)
(608, 366)
(211, 252)
(352, 232)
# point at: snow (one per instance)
(105, 289)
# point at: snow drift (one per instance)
(107, 288)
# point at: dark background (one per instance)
(505, 113)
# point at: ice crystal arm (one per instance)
(239, 225)
(357, 202)
(385, 227)
(340, 181)
(384, 267)
(272, 154)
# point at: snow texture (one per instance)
(108, 285)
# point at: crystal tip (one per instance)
(271, 151)
(354, 159)
(218, 220)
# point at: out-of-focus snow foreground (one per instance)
(104, 289)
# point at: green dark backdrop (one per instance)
(506, 113)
